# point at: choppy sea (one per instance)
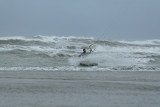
(53, 53)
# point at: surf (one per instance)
(62, 52)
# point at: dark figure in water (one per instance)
(84, 53)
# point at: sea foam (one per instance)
(61, 53)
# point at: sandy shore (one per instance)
(79, 89)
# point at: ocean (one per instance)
(53, 53)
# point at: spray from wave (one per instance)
(50, 53)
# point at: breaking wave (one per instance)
(61, 53)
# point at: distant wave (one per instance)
(144, 42)
(45, 39)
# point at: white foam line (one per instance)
(72, 68)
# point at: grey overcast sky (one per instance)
(112, 19)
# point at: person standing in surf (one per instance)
(84, 53)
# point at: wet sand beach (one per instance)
(79, 89)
